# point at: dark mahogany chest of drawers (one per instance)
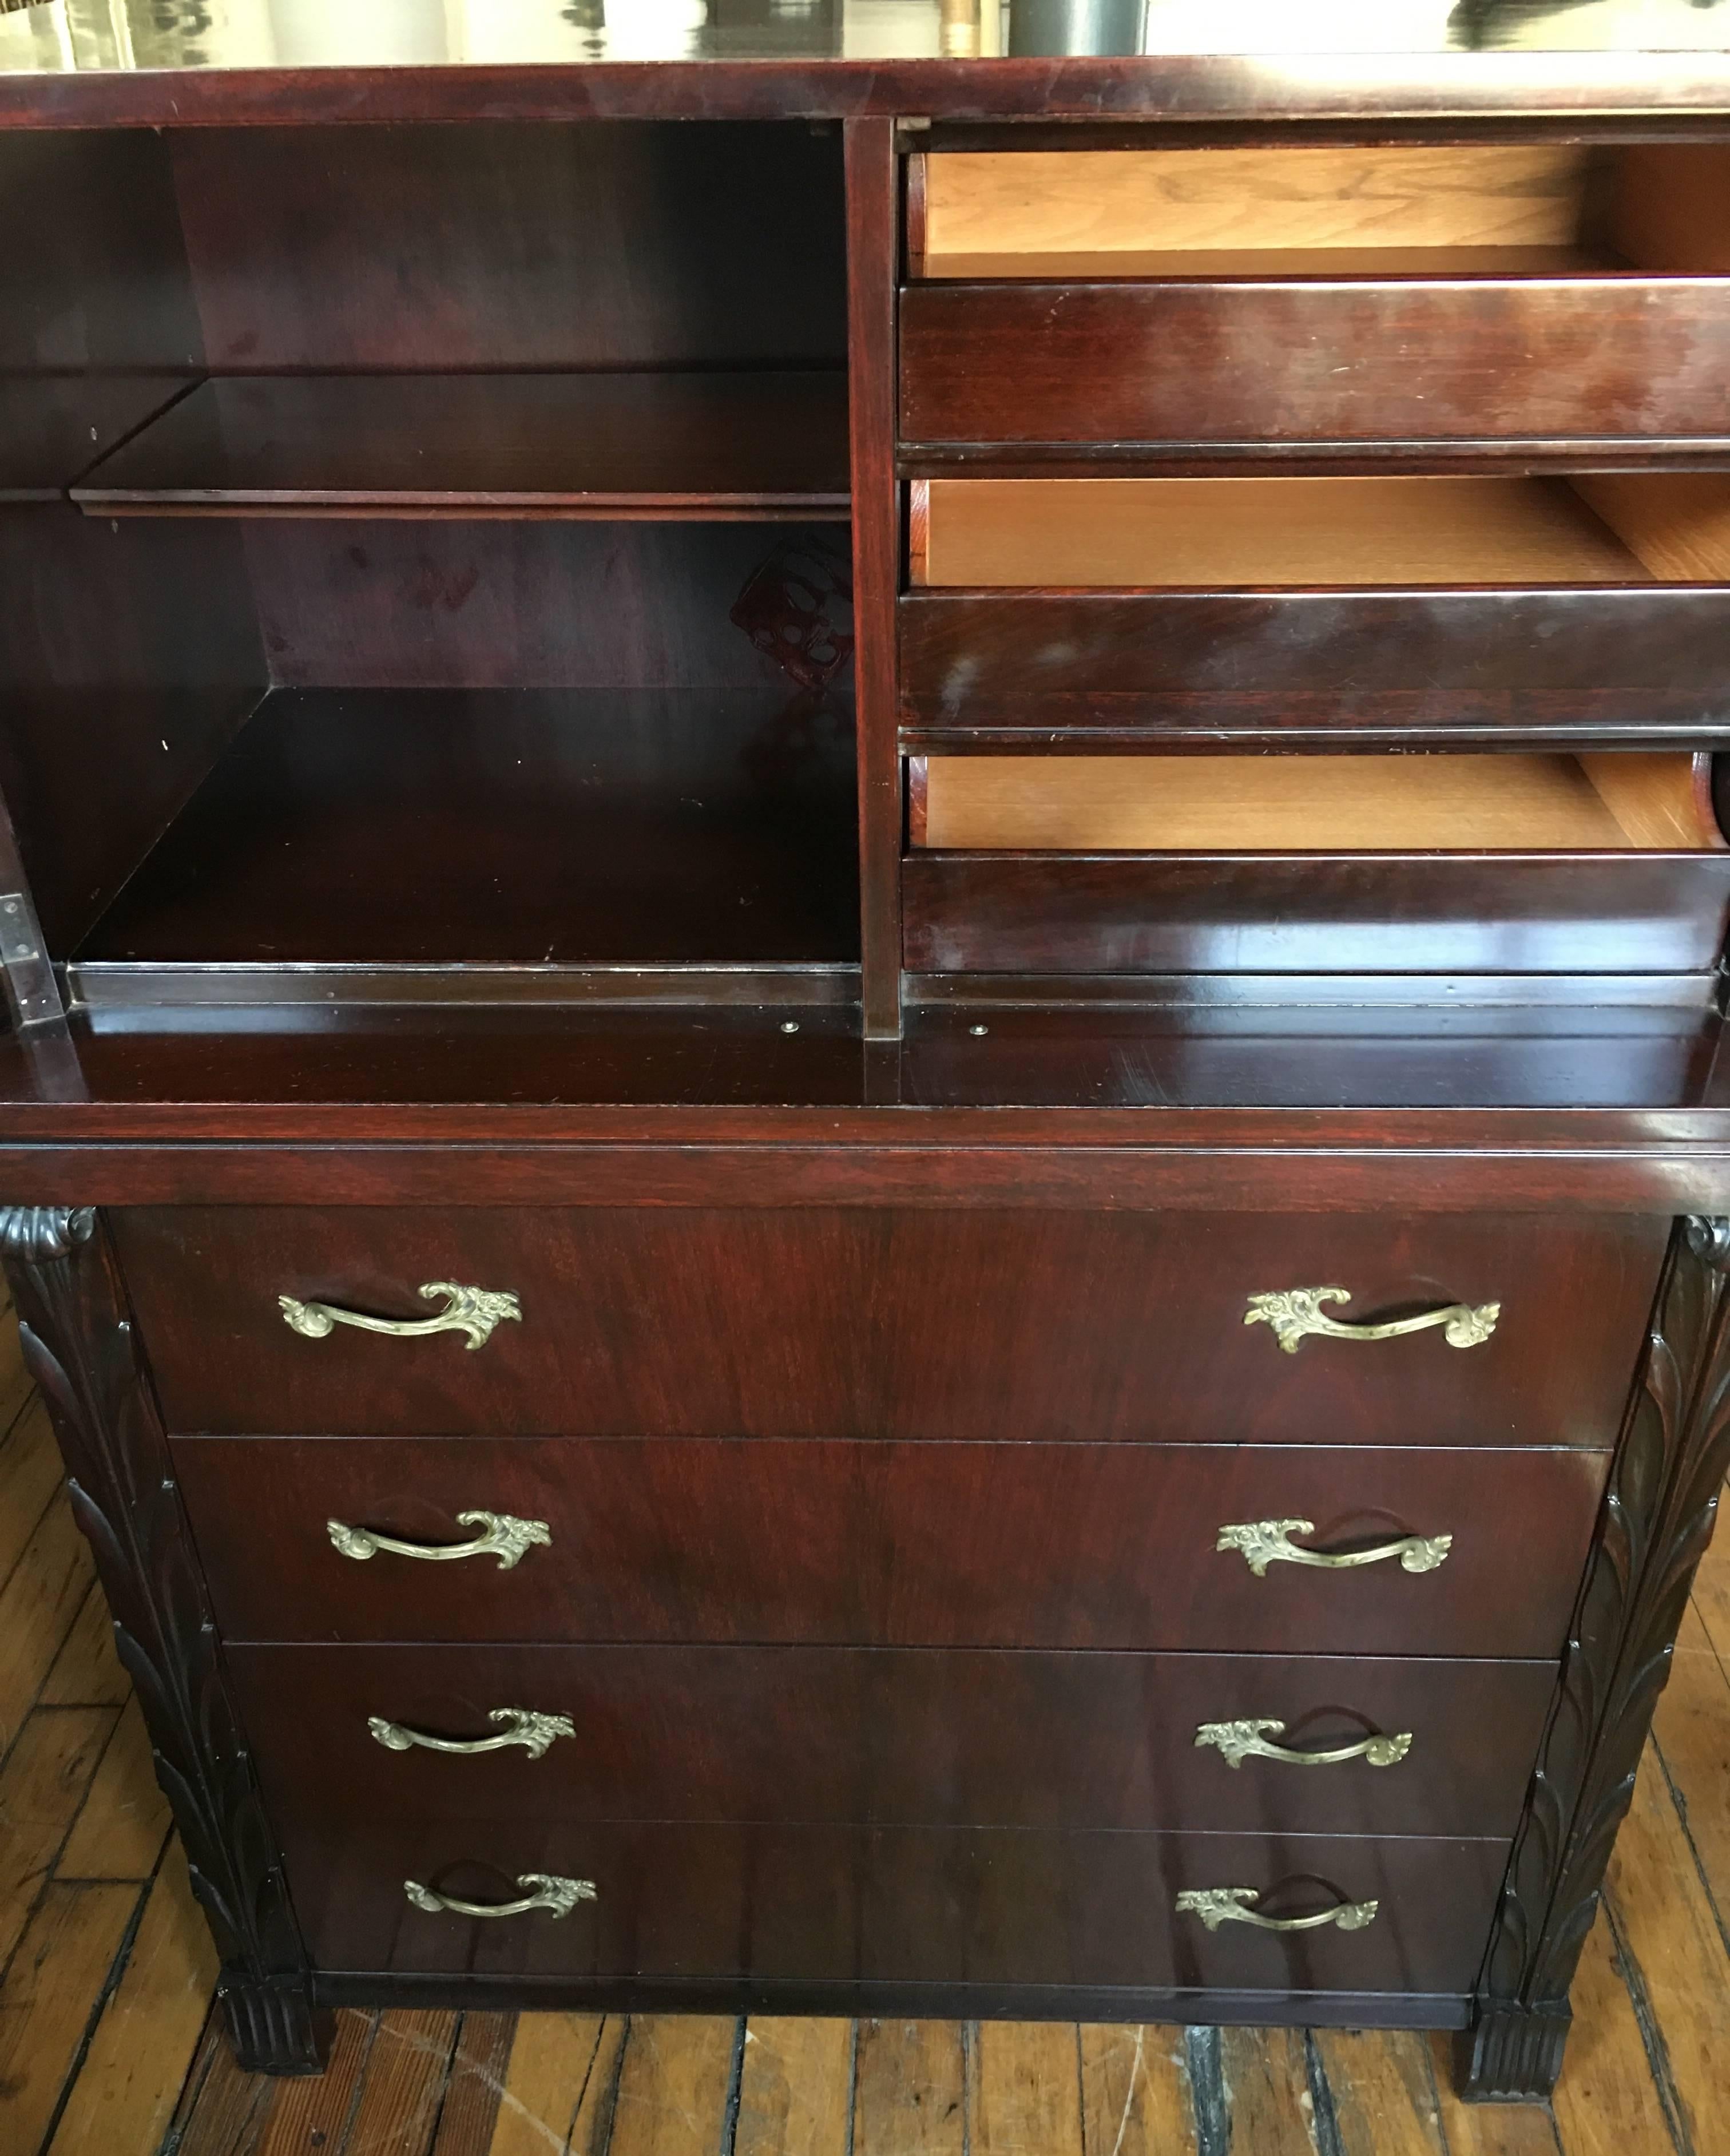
(865, 1127)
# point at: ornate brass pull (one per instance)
(1296, 1311)
(535, 1732)
(475, 1310)
(501, 1535)
(1263, 1543)
(1252, 1740)
(1236, 1905)
(540, 1890)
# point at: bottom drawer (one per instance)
(898, 1905)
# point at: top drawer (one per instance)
(1349, 296)
(881, 1323)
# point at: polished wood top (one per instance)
(83, 62)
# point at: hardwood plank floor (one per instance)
(108, 2046)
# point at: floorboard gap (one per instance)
(1657, 2050)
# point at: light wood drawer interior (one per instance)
(1201, 534)
(1286, 804)
(1327, 210)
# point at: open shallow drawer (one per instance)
(1608, 864)
(1456, 293)
(1365, 607)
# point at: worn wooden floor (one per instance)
(106, 2047)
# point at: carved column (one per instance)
(80, 1346)
(1656, 1521)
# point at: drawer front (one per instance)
(906, 1545)
(892, 1737)
(1361, 664)
(1269, 913)
(1318, 360)
(890, 1323)
(896, 1905)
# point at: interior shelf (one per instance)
(713, 445)
(543, 829)
(54, 426)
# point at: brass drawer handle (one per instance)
(1253, 1740)
(1263, 1543)
(501, 1535)
(475, 1310)
(1236, 1905)
(1297, 1311)
(540, 1890)
(535, 1732)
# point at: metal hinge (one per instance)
(32, 992)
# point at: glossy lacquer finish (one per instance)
(726, 815)
(892, 1322)
(1272, 913)
(1591, 664)
(896, 1905)
(1315, 360)
(896, 1737)
(1005, 1545)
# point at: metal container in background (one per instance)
(1042, 28)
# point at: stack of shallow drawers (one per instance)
(895, 1597)
(1301, 447)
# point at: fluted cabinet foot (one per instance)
(1513, 2054)
(273, 2024)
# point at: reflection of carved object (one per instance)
(1236, 1905)
(1263, 1543)
(798, 610)
(81, 1348)
(475, 1310)
(1257, 1739)
(1481, 25)
(1296, 1312)
(1656, 1521)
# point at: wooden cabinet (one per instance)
(866, 1128)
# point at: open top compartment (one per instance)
(1589, 609)
(1368, 533)
(1327, 210)
(1315, 804)
(1314, 864)
(479, 627)
(1319, 302)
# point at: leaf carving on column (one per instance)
(79, 1347)
(1657, 1518)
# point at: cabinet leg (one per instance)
(1513, 2054)
(273, 2024)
